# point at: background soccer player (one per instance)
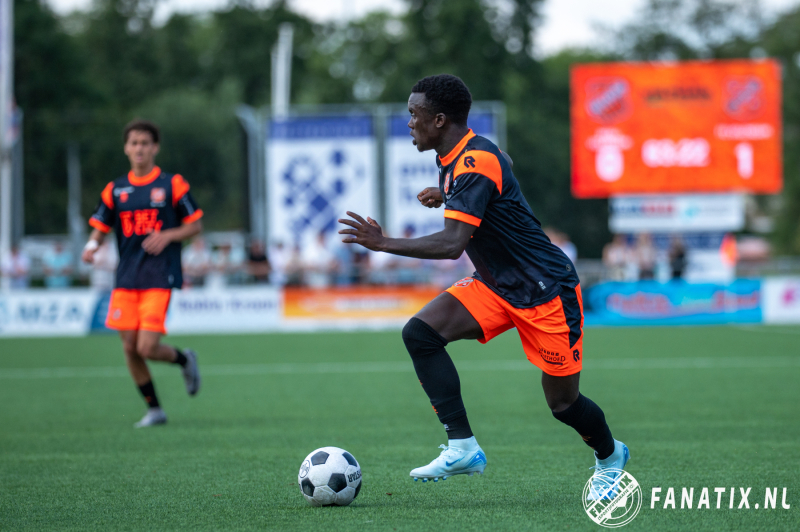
(522, 280)
(151, 212)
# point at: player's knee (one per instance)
(421, 339)
(130, 348)
(147, 349)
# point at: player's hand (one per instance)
(155, 242)
(431, 197)
(365, 232)
(87, 255)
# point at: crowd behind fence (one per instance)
(229, 259)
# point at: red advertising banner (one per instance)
(695, 126)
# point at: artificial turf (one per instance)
(698, 407)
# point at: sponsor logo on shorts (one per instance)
(552, 357)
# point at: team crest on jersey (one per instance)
(743, 98)
(466, 281)
(447, 185)
(608, 99)
(158, 197)
(123, 196)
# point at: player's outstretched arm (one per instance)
(158, 240)
(447, 244)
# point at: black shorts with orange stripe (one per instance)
(512, 255)
(135, 206)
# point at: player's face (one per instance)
(423, 124)
(140, 149)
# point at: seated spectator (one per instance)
(16, 268)
(257, 262)
(57, 267)
(104, 266)
(196, 260)
(226, 265)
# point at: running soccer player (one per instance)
(522, 280)
(151, 212)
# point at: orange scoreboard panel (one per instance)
(698, 126)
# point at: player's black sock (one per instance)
(438, 376)
(180, 358)
(148, 391)
(588, 419)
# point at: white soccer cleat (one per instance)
(191, 372)
(607, 473)
(462, 457)
(154, 416)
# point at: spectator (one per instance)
(196, 260)
(646, 256)
(615, 257)
(57, 267)
(104, 266)
(279, 260)
(677, 258)
(16, 267)
(318, 262)
(294, 267)
(408, 269)
(226, 265)
(257, 262)
(563, 242)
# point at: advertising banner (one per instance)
(673, 303)
(781, 301)
(409, 171)
(317, 168)
(228, 310)
(46, 313)
(362, 304)
(676, 213)
(694, 126)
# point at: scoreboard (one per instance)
(677, 127)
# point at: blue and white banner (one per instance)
(409, 171)
(673, 303)
(47, 312)
(318, 168)
(229, 310)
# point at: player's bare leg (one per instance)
(441, 321)
(141, 376)
(149, 346)
(579, 412)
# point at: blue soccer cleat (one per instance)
(462, 457)
(607, 473)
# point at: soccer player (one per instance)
(151, 212)
(522, 280)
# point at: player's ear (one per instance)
(440, 120)
(156, 148)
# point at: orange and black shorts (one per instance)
(132, 310)
(551, 333)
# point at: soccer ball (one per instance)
(329, 476)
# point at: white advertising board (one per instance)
(224, 310)
(781, 299)
(46, 312)
(318, 168)
(409, 171)
(676, 213)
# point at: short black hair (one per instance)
(446, 94)
(141, 125)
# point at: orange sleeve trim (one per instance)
(108, 195)
(100, 226)
(481, 162)
(179, 188)
(196, 215)
(462, 217)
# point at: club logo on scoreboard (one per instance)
(608, 99)
(619, 498)
(743, 97)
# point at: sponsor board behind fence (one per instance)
(673, 303)
(46, 313)
(781, 300)
(355, 303)
(228, 310)
(676, 213)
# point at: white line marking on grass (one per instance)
(770, 329)
(406, 367)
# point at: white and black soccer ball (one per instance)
(329, 477)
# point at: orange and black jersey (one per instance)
(511, 253)
(135, 207)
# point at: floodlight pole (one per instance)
(6, 113)
(253, 123)
(282, 71)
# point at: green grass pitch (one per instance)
(698, 407)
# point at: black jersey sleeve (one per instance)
(182, 200)
(105, 214)
(477, 177)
